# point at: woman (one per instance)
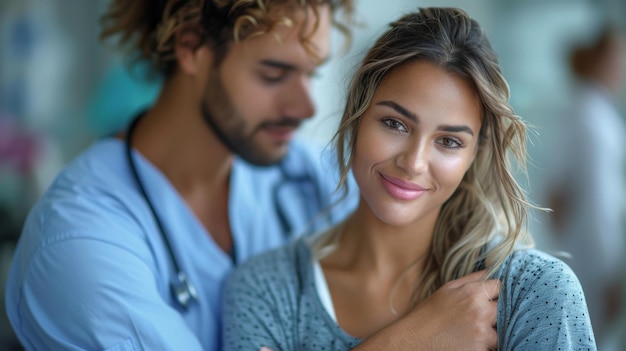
(426, 132)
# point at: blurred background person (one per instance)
(585, 181)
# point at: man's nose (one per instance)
(298, 102)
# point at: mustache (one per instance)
(283, 122)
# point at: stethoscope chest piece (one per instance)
(183, 291)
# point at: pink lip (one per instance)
(401, 189)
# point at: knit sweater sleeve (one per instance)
(259, 303)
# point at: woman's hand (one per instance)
(461, 315)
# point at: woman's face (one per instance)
(415, 142)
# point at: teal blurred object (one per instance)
(124, 90)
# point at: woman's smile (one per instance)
(401, 189)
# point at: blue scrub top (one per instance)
(91, 271)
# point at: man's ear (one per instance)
(192, 52)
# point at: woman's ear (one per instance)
(192, 53)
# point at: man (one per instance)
(129, 247)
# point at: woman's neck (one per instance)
(373, 274)
(370, 245)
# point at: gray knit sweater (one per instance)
(272, 300)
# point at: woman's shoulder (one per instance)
(524, 257)
(541, 302)
(282, 266)
(531, 277)
(531, 265)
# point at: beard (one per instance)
(232, 129)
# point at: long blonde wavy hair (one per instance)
(149, 28)
(489, 203)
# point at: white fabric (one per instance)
(322, 290)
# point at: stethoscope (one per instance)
(181, 289)
(294, 180)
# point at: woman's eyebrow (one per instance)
(400, 109)
(456, 129)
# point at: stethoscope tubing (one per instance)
(184, 293)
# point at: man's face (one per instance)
(260, 93)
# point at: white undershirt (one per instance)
(321, 286)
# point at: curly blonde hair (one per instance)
(488, 203)
(149, 28)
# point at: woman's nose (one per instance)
(414, 159)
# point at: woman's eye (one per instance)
(450, 143)
(394, 124)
